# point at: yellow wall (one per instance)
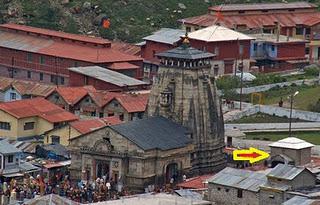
(17, 126)
(63, 133)
(13, 133)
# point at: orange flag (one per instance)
(105, 22)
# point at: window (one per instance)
(5, 126)
(219, 188)
(272, 47)
(121, 117)
(29, 74)
(41, 76)
(299, 30)
(307, 51)
(53, 78)
(227, 190)
(115, 104)
(76, 64)
(140, 115)
(88, 100)
(101, 115)
(62, 80)
(154, 53)
(41, 60)
(255, 46)
(28, 126)
(29, 57)
(85, 80)
(93, 114)
(10, 158)
(110, 114)
(308, 31)
(188, 29)
(271, 196)
(239, 193)
(267, 30)
(13, 96)
(55, 139)
(241, 12)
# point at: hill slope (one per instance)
(130, 19)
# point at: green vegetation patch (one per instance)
(309, 136)
(264, 118)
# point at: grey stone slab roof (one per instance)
(239, 178)
(300, 200)
(185, 52)
(287, 172)
(7, 148)
(154, 133)
(166, 35)
(107, 75)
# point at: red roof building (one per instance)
(297, 20)
(44, 55)
(37, 107)
(199, 182)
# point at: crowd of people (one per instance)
(31, 187)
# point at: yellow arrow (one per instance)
(252, 155)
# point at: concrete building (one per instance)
(136, 154)
(273, 53)
(105, 79)
(160, 41)
(31, 118)
(11, 164)
(236, 187)
(44, 55)
(283, 179)
(290, 150)
(62, 135)
(13, 89)
(230, 48)
(296, 19)
(184, 93)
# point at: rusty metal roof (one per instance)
(263, 6)
(57, 48)
(58, 34)
(256, 20)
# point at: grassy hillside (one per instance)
(130, 19)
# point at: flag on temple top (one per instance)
(105, 22)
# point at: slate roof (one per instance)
(288, 172)
(7, 148)
(185, 52)
(300, 200)
(154, 133)
(166, 35)
(239, 178)
(108, 76)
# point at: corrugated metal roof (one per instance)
(108, 76)
(291, 143)
(154, 133)
(256, 20)
(218, 33)
(166, 35)
(263, 6)
(287, 172)
(59, 34)
(241, 179)
(300, 200)
(76, 51)
(7, 148)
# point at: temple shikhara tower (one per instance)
(185, 93)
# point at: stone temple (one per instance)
(185, 93)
